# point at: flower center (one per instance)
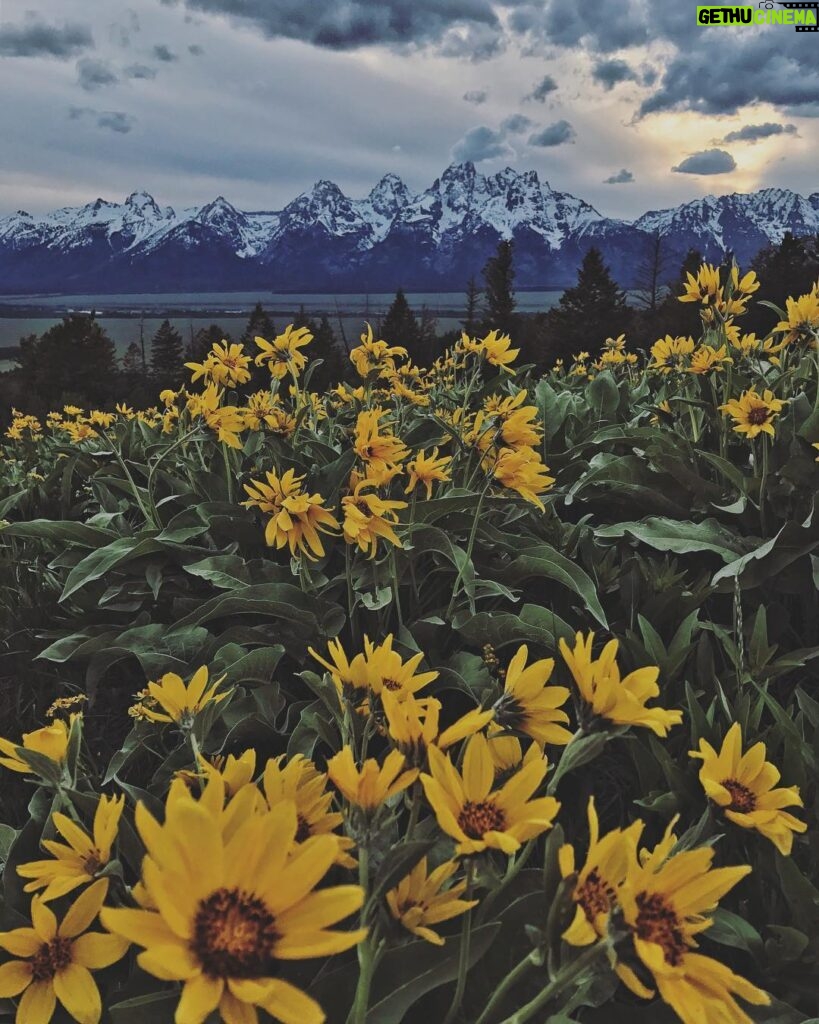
(391, 684)
(94, 862)
(758, 415)
(233, 935)
(595, 895)
(303, 829)
(742, 798)
(478, 818)
(657, 922)
(51, 958)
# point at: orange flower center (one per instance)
(234, 934)
(658, 922)
(742, 798)
(476, 819)
(595, 895)
(758, 415)
(391, 684)
(94, 862)
(51, 958)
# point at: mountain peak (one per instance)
(141, 200)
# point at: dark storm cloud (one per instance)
(609, 73)
(95, 74)
(602, 25)
(516, 123)
(553, 135)
(709, 161)
(803, 110)
(139, 71)
(476, 96)
(164, 53)
(623, 177)
(755, 132)
(455, 25)
(481, 143)
(545, 86)
(35, 38)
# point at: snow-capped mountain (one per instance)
(325, 240)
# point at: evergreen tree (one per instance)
(499, 277)
(167, 356)
(593, 310)
(134, 379)
(325, 347)
(203, 341)
(400, 326)
(472, 311)
(74, 361)
(428, 347)
(651, 273)
(259, 323)
(671, 316)
(788, 269)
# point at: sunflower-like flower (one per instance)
(297, 518)
(77, 861)
(420, 899)
(234, 772)
(347, 675)
(707, 360)
(226, 365)
(299, 781)
(368, 518)
(380, 452)
(743, 786)
(226, 910)
(665, 901)
(57, 960)
(427, 469)
(802, 323)
(51, 741)
(595, 885)
(523, 470)
(476, 815)
(748, 345)
(283, 355)
(181, 702)
(528, 705)
(753, 413)
(387, 670)
(374, 356)
(227, 420)
(704, 288)
(607, 696)
(262, 410)
(669, 354)
(414, 725)
(370, 786)
(507, 752)
(495, 348)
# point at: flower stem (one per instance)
(469, 548)
(763, 487)
(463, 957)
(415, 809)
(508, 983)
(358, 1013)
(564, 978)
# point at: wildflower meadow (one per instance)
(454, 694)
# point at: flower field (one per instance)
(451, 694)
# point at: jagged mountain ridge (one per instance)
(324, 240)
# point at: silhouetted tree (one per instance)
(499, 277)
(400, 326)
(203, 341)
(167, 356)
(651, 273)
(259, 323)
(787, 269)
(472, 310)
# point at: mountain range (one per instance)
(325, 241)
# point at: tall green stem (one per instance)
(463, 957)
(469, 548)
(358, 1013)
(763, 487)
(508, 983)
(564, 978)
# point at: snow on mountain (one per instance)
(324, 238)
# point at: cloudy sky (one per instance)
(627, 103)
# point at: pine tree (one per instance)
(472, 310)
(651, 273)
(593, 310)
(788, 269)
(132, 360)
(428, 347)
(203, 341)
(167, 356)
(499, 277)
(400, 326)
(259, 323)
(326, 348)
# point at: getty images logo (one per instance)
(803, 16)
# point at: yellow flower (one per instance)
(494, 348)
(296, 517)
(420, 900)
(413, 725)
(301, 783)
(51, 741)
(373, 356)
(753, 413)
(506, 751)
(368, 518)
(234, 772)
(78, 862)
(58, 960)
(225, 365)
(79, 431)
(225, 910)
(706, 359)
(167, 397)
(379, 452)
(704, 288)
(595, 887)
(749, 345)
(607, 696)
(373, 784)
(346, 675)
(227, 420)
(664, 906)
(670, 354)
(387, 670)
(479, 817)
(742, 785)
(522, 470)
(802, 324)
(182, 703)
(262, 408)
(528, 705)
(283, 355)
(426, 469)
